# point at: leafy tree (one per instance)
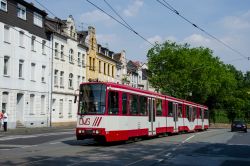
(179, 71)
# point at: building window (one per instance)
(93, 67)
(78, 81)
(100, 66)
(61, 108)
(83, 79)
(70, 109)
(104, 68)
(43, 74)
(56, 78)
(90, 63)
(43, 47)
(56, 50)
(7, 34)
(71, 52)
(71, 81)
(3, 5)
(53, 105)
(33, 39)
(62, 79)
(62, 52)
(6, 66)
(71, 31)
(108, 70)
(92, 43)
(38, 19)
(32, 99)
(4, 101)
(43, 104)
(112, 71)
(33, 68)
(79, 59)
(20, 73)
(21, 39)
(21, 11)
(83, 57)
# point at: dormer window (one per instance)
(21, 11)
(38, 19)
(3, 5)
(71, 31)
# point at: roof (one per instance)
(31, 6)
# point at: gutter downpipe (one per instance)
(51, 79)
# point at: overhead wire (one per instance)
(87, 43)
(126, 26)
(171, 8)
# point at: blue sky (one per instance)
(228, 20)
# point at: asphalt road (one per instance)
(213, 147)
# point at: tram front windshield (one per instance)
(92, 99)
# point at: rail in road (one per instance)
(213, 147)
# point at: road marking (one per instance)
(52, 143)
(188, 139)
(159, 160)
(206, 132)
(168, 154)
(239, 144)
(34, 135)
(29, 146)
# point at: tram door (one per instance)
(202, 118)
(175, 116)
(151, 117)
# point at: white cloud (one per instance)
(171, 38)
(237, 22)
(94, 16)
(155, 39)
(133, 9)
(197, 40)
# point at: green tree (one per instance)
(179, 70)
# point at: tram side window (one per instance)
(199, 113)
(158, 107)
(124, 104)
(194, 113)
(133, 103)
(180, 110)
(206, 114)
(143, 105)
(113, 103)
(187, 111)
(190, 117)
(170, 108)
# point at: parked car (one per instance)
(239, 126)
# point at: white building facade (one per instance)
(24, 65)
(69, 69)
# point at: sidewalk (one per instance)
(37, 130)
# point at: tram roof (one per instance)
(115, 85)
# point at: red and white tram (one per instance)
(114, 112)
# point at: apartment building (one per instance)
(24, 64)
(68, 68)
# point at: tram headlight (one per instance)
(97, 131)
